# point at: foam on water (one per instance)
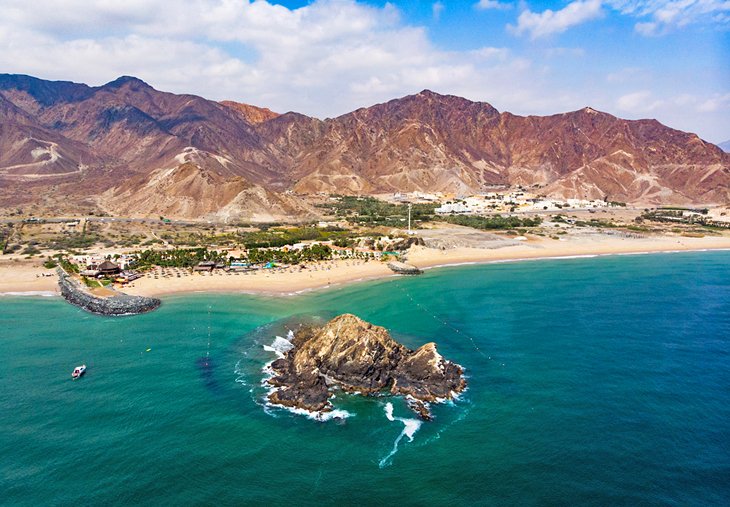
(316, 416)
(410, 427)
(240, 379)
(30, 293)
(281, 346)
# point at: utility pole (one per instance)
(409, 218)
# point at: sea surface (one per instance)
(592, 381)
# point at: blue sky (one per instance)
(664, 59)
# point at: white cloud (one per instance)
(436, 9)
(549, 22)
(644, 101)
(638, 102)
(648, 28)
(628, 75)
(662, 16)
(719, 102)
(492, 4)
(488, 53)
(324, 59)
(561, 52)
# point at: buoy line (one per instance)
(438, 319)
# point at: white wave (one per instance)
(240, 379)
(410, 427)
(281, 346)
(42, 293)
(315, 415)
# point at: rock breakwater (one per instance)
(120, 304)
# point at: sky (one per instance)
(663, 59)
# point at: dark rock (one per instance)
(404, 244)
(404, 269)
(355, 356)
(121, 304)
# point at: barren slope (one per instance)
(66, 142)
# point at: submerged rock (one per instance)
(359, 357)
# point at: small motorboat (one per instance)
(78, 371)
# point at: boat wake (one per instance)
(410, 427)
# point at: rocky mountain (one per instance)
(358, 357)
(129, 149)
(725, 146)
(251, 114)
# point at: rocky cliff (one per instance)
(359, 357)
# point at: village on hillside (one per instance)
(502, 200)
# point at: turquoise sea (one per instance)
(592, 381)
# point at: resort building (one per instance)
(108, 268)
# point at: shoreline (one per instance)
(568, 257)
(25, 280)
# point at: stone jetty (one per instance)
(119, 304)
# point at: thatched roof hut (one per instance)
(109, 268)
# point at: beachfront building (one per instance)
(205, 266)
(128, 276)
(93, 261)
(108, 268)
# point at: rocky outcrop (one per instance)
(251, 114)
(404, 269)
(359, 357)
(121, 304)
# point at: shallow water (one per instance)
(593, 381)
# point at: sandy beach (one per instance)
(20, 277)
(24, 276)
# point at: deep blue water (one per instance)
(601, 381)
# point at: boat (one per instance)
(78, 371)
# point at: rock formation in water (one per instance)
(359, 357)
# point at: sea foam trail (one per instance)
(410, 426)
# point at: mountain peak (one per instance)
(123, 80)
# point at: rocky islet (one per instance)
(358, 357)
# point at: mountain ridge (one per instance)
(97, 140)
